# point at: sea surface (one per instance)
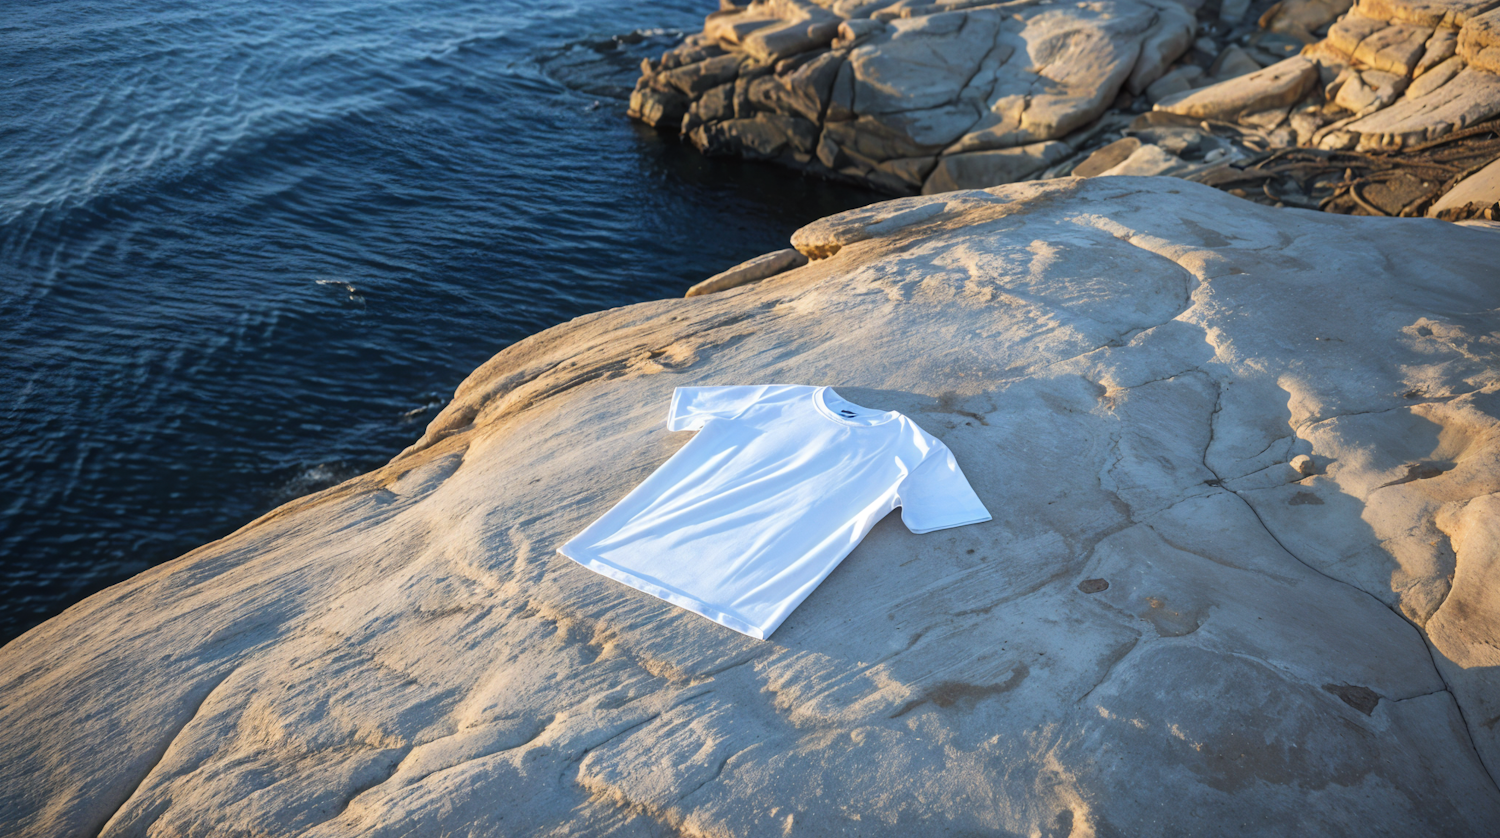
(249, 248)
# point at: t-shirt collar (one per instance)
(835, 407)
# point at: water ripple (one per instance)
(249, 247)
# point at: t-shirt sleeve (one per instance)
(692, 407)
(936, 495)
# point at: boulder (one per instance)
(892, 87)
(1148, 160)
(1471, 96)
(1301, 18)
(1107, 158)
(1177, 80)
(1452, 14)
(1479, 42)
(1277, 86)
(1233, 62)
(1440, 47)
(1000, 165)
(1166, 629)
(1481, 187)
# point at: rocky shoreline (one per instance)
(908, 98)
(1244, 464)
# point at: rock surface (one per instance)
(1167, 629)
(908, 98)
(753, 270)
(913, 98)
(1480, 190)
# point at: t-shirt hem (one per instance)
(963, 523)
(677, 598)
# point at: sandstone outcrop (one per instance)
(1243, 464)
(1405, 72)
(931, 98)
(909, 98)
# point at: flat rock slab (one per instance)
(1277, 86)
(1470, 97)
(1166, 630)
(1482, 188)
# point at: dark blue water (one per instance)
(248, 249)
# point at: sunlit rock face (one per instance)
(909, 98)
(912, 98)
(1168, 628)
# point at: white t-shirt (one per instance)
(779, 485)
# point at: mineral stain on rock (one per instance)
(963, 695)
(1169, 621)
(1093, 586)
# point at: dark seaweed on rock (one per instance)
(1407, 183)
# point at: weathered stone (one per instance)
(729, 26)
(774, 43)
(1304, 465)
(1179, 80)
(1272, 47)
(685, 54)
(1151, 160)
(906, 82)
(697, 79)
(1369, 90)
(754, 270)
(1479, 42)
(1435, 78)
(1277, 86)
(1107, 157)
(903, 175)
(1482, 187)
(1233, 62)
(656, 108)
(1180, 140)
(1396, 48)
(1472, 96)
(976, 169)
(1442, 46)
(712, 106)
(920, 63)
(765, 136)
(1169, 37)
(1451, 14)
(1347, 34)
(1305, 120)
(405, 654)
(1266, 120)
(810, 86)
(1463, 634)
(1301, 18)
(914, 133)
(852, 31)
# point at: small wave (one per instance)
(311, 479)
(435, 401)
(348, 287)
